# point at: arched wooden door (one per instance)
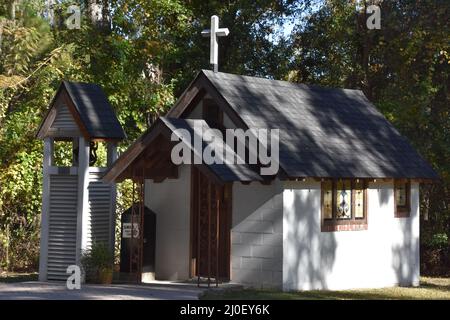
(210, 228)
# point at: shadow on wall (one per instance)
(311, 254)
(257, 202)
(257, 235)
(404, 255)
(385, 193)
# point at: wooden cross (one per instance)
(214, 33)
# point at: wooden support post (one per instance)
(75, 151)
(83, 197)
(112, 156)
(197, 190)
(217, 234)
(132, 226)
(209, 233)
(141, 228)
(48, 156)
(112, 153)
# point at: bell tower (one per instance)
(78, 209)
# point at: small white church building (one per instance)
(341, 212)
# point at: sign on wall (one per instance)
(126, 230)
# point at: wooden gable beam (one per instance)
(49, 116)
(117, 171)
(186, 98)
(75, 114)
(198, 88)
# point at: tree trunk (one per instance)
(99, 14)
(12, 9)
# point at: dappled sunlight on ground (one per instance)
(13, 289)
(430, 288)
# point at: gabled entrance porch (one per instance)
(192, 203)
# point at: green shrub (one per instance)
(98, 258)
(439, 241)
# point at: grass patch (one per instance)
(430, 288)
(10, 277)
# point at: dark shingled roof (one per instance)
(323, 132)
(226, 172)
(95, 111)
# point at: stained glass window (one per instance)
(328, 200)
(343, 199)
(402, 193)
(344, 205)
(359, 199)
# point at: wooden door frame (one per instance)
(226, 210)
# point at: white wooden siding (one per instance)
(64, 121)
(100, 215)
(62, 225)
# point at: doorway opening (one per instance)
(211, 207)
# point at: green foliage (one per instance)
(124, 201)
(143, 56)
(438, 241)
(30, 67)
(62, 154)
(34, 59)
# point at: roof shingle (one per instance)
(95, 111)
(324, 132)
(226, 172)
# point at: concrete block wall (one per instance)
(257, 235)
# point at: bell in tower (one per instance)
(78, 209)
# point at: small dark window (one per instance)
(402, 198)
(344, 205)
(212, 113)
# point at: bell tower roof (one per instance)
(81, 109)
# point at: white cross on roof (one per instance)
(214, 33)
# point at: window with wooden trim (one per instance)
(402, 198)
(344, 205)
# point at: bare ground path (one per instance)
(55, 291)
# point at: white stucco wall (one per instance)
(170, 200)
(386, 254)
(257, 234)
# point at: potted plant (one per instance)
(97, 263)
